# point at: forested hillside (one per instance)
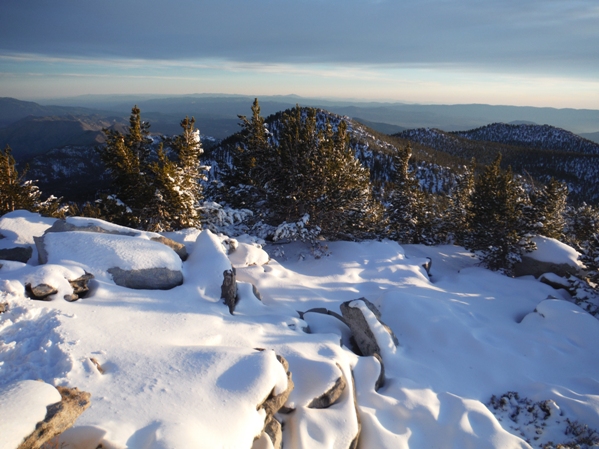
(540, 152)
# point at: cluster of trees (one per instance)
(152, 189)
(295, 171)
(303, 173)
(16, 192)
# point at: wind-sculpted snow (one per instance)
(179, 370)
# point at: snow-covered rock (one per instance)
(551, 256)
(22, 405)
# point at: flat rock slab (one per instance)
(132, 262)
(17, 254)
(81, 224)
(147, 278)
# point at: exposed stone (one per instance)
(274, 431)
(555, 281)
(365, 340)
(274, 404)
(532, 267)
(256, 292)
(177, 247)
(80, 285)
(42, 254)
(147, 278)
(41, 291)
(3, 307)
(356, 440)
(17, 254)
(427, 265)
(97, 365)
(59, 418)
(228, 290)
(380, 382)
(324, 311)
(332, 395)
(64, 226)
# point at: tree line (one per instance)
(303, 173)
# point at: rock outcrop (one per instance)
(17, 254)
(229, 289)
(360, 322)
(65, 226)
(133, 262)
(43, 291)
(59, 418)
(273, 404)
(146, 278)
(332, 395)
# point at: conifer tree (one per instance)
(18, 193)
(496, 219)
(127, 158)
(248, 173)
(548, 205)
(151, 191)
(177, 196)
(460, 203)
(303, 170)
(409, 210)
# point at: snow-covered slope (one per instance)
(180, 371)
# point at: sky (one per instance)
(517, 52)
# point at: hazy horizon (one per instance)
(539, 53)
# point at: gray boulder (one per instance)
(17, 254)
(65, 226)
(365, 341)
(81, 285)
(41, 291)
(332, 395)
(229, 289)
(59, 418)
(147, 278)
(274, 404)
(532, 267)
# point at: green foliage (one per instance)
(152, 192)
(410, 210)
(456, 220)
(307, 171)
(18, 193)
(498, 229)
(548, 205)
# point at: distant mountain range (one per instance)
(538, 151)
(71, 132)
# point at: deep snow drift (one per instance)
(182, 372)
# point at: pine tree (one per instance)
(248, 172)
(460, 202)
(548, 205)
(177, 196)
(152, 191)
(410, 212)
(303, 170)
(127, 158)
(496, 219)
(18, 193)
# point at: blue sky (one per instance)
(519, 52)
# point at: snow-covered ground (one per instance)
(181, 372)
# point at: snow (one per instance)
(22, 405)
(551, 250)
(98, 252)
(181, 371)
